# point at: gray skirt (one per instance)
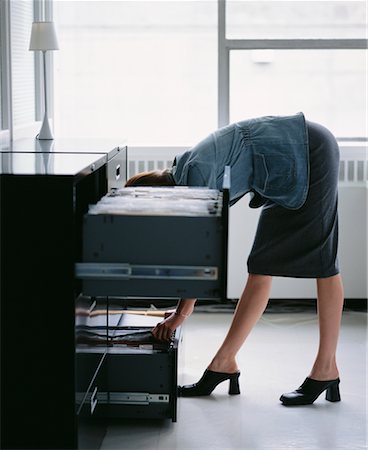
(303, 243)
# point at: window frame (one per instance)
(225, 46)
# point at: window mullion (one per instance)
(297, 44)
(49, 16)
(43, 11)
(38, 16)
(223, 68)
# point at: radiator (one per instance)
(353, 210)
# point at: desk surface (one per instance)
(60, 164)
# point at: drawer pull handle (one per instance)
(94, 400)
(92, 307)
(117, 175)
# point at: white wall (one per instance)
(352, 248)
(353, 210)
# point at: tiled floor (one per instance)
(275, 359)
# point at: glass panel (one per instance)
(296, 19)
(143, 70)
(329, 86)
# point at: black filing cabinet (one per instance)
(66, 366)
(48, 376)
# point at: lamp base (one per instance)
(45, 132)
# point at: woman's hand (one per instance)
(164, 330)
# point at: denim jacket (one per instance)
(268, 156)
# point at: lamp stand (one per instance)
(45, 132)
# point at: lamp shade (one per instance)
(43, 36)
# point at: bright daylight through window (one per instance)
(147, 70)
(144, 70)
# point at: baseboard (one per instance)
(295, 305)
(276, 305)
(359, 304)
(284, 305)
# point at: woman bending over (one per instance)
(290, 167)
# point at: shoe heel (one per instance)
(333, 393)
(234, 385)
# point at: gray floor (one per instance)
(275, 359)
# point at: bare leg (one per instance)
(330, 295)
(249, 309)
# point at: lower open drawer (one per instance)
(141, 374)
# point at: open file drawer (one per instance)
(142, 380)
(175, 245)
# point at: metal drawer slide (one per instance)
(137, 398)
(122, 271)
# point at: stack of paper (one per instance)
(168, 201)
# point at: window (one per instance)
(19, 69)
(295, 19)
(280, 57)
(142, 70)
(22, 64)
(169, 72)
(327, 85)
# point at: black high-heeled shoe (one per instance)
(310, 390)
(208, 382)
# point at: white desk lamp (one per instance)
(43, 38)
